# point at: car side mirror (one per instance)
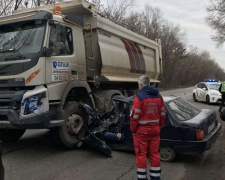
(204, 89)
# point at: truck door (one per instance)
(60, 66)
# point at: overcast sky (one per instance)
(190, 15)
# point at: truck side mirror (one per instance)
(60, 33)
(47, 52)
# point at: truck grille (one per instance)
(3, 81)
(4, 103)
(11, 99)
(3, 118)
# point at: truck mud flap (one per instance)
(96, 144)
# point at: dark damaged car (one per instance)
(187, 129)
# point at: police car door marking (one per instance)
(60, 70)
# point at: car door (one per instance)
(204, 91)
(201, 91)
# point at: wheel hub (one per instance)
(165, 153)
(74, 124)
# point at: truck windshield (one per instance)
(23, 38)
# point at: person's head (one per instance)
(143, 81)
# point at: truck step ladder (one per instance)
(89, 55)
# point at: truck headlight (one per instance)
(33, 104)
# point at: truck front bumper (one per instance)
(9, 119)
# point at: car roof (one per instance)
(131, 98)
(169, 98)
(210, 82)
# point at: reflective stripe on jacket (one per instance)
(149, 112)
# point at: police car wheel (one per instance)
(167, 154)
(194, 97)
(67, 135)
(208, 99)
(11, 135)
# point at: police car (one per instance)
(207, 91)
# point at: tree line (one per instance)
(182, 65)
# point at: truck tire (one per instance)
(66, 135)
(11, 135)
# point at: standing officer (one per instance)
(147, 118)
(222, 91)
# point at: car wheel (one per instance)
(167, 154)
(11, 135)
(208, 99)
(194, 97)
(67, 134)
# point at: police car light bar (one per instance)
(211, 80)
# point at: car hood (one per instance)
(215, 91)
(203, 120)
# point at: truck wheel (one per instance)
(66, 135)
(11, 135)
(167, 154)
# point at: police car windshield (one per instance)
(22, 38)
(183, 109)
(214, 86)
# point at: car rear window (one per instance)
(183, 109)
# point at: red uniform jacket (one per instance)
(148, 111)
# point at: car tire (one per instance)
(11, 135)
(194, 97)
(208, 99)
(67, 134)
(167, 154)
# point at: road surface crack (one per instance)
(129, 170)
(17, 149)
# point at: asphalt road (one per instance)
(36, 157)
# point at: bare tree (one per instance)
(7, 6)
(216, 19)
(114, 10)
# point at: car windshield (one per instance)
(23, 38)
(214, 86)
(183, 109)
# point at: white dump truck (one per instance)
(53, 57)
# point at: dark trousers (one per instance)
(112, 137)
(222, 103)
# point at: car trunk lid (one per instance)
(206, 120)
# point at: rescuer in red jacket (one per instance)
(147, 118)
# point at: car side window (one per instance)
(204, 86)
(199, 85)
(61, 46)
